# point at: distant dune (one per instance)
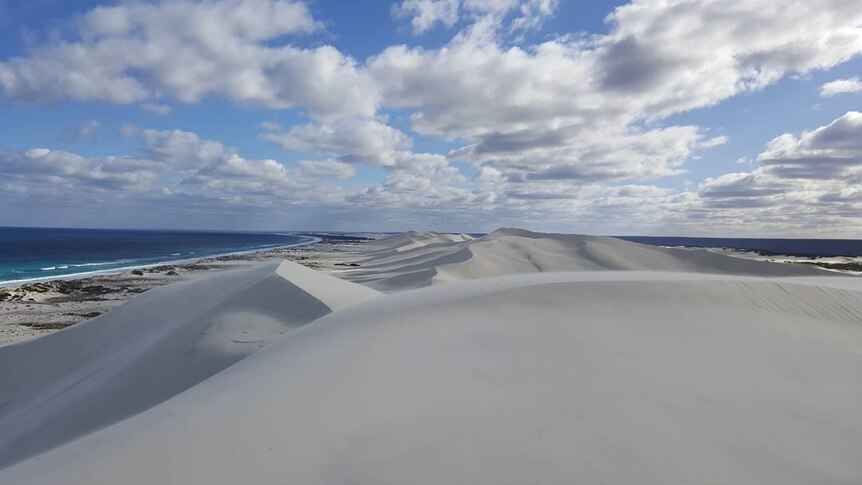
(414, 260)
(526, 358)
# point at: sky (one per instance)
(665, 117)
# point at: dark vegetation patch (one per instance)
(47, 326)
(96, 290)
(838, 266)
(335, 238)
(37, 288)
(85, 315)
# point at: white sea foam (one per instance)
(132, 264)
(103, 263)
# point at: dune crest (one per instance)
(540, 378)
(157, 345)
(526, 358)
(414, 260)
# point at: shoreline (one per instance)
(838, 264)
(38, 306)
(71, 276)
(31, 309)
(851, 265)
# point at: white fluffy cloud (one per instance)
(576, 107)
(362, 140)
(190, 49)
(176, 173)
(828, 152)
(327, 168)
(582, 106)
(424, 14)
(683, 55)
(588, 155)
(180, 149)
(64, 169)
(172, 168)
(811, 180)
(522, 14)
(841, 86)
(551, 128)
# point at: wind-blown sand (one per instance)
(591, 360)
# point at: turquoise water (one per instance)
(38, 253)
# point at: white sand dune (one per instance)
(414, 260)
(592, 378)
(417, 239)
(88, 376)
(590, 361)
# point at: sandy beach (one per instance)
(32, 309)
(544, 358)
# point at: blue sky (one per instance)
(658, 118)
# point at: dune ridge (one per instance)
(157, 345)
(414, 260)
(542, 378)
(515, 358)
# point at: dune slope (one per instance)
(591, 378)
(85, 377)
(414, 260)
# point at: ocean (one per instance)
(43, 253)
(39, 253)
(778, 247)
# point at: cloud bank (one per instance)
(571, 128)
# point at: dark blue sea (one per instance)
(30, 253)
(782, 247)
